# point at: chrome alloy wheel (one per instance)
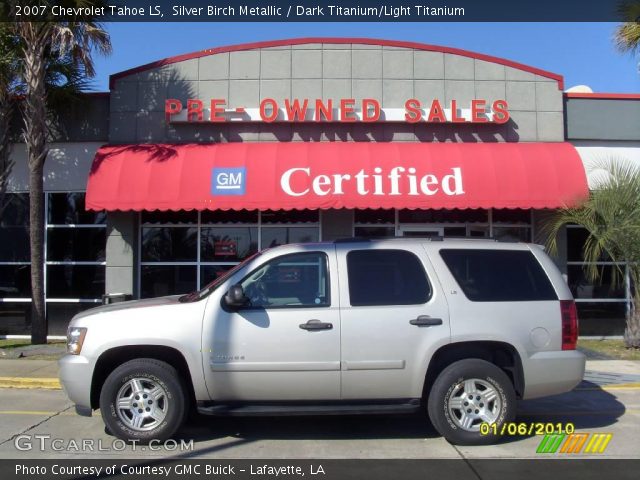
(142, 404)
(472, 403)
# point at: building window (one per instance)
(15, 267)
(511, 225)
(183, 251)
(602, 305)
(502, 224)
(75, 258)
(74, 261)
(374, 223)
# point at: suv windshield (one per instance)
(210, 287)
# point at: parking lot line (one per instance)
(595, 413)
(621, 386)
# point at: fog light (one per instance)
(75, 338)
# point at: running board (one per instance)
(292, 409)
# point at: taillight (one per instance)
(569, 324)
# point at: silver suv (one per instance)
(463, 327)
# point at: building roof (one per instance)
(339, 40)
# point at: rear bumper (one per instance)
(75, 377)
(552, 373)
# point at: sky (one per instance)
(583, 52)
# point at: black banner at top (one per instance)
(322, 10)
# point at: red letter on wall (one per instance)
(194, 108)
(347, 110)
(323, 110)
(454, 113)
(500, 111)
(477, 111)
(436, 113)
(374, 114)
(216, 111)
(171, 107)
(271, 117)
(295, 112)
(413, 113)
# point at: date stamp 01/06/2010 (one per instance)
(556, 437)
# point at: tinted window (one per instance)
(498, 275)
(160, 280)
(169, 244)
(75, 281)
(14, 210)
(274, 236)
(76, 244)
(69, 208)
(386, 277)
(14, 244)
(298, 280)
(228, 244)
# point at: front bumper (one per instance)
(552, 373)
(75, 377)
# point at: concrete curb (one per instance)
(17, 382)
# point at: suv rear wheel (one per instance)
(467, 394)
(143, 400)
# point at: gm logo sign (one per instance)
(228, 181)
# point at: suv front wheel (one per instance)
(467, 394)
(143, 400)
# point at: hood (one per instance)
(114, 307)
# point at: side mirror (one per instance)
(235, 297)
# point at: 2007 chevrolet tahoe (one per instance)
(463, 327)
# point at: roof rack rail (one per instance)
(505, 240)
(434, 238)
(352, 240)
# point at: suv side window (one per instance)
(498, 275)
(296, 280)
(386, 277)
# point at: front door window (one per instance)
(298, 280)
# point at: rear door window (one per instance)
(498, 275)
(386, 277)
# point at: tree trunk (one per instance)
(35, 131)
(632, 330)
(39, 325)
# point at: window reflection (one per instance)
(224, 244)
(169, 244)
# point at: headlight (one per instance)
(75, 339)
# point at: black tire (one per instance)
(150, 372)
(448, 387)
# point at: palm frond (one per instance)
(611, 216)
(627, 34)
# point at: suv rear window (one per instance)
(386, 277)
(498, 275)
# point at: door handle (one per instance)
(316, 325)
(426, 321)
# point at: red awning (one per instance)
(272, 176)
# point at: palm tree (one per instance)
(43, 41)
(627, 34)
(611, 217)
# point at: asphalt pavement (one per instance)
(41, 423)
